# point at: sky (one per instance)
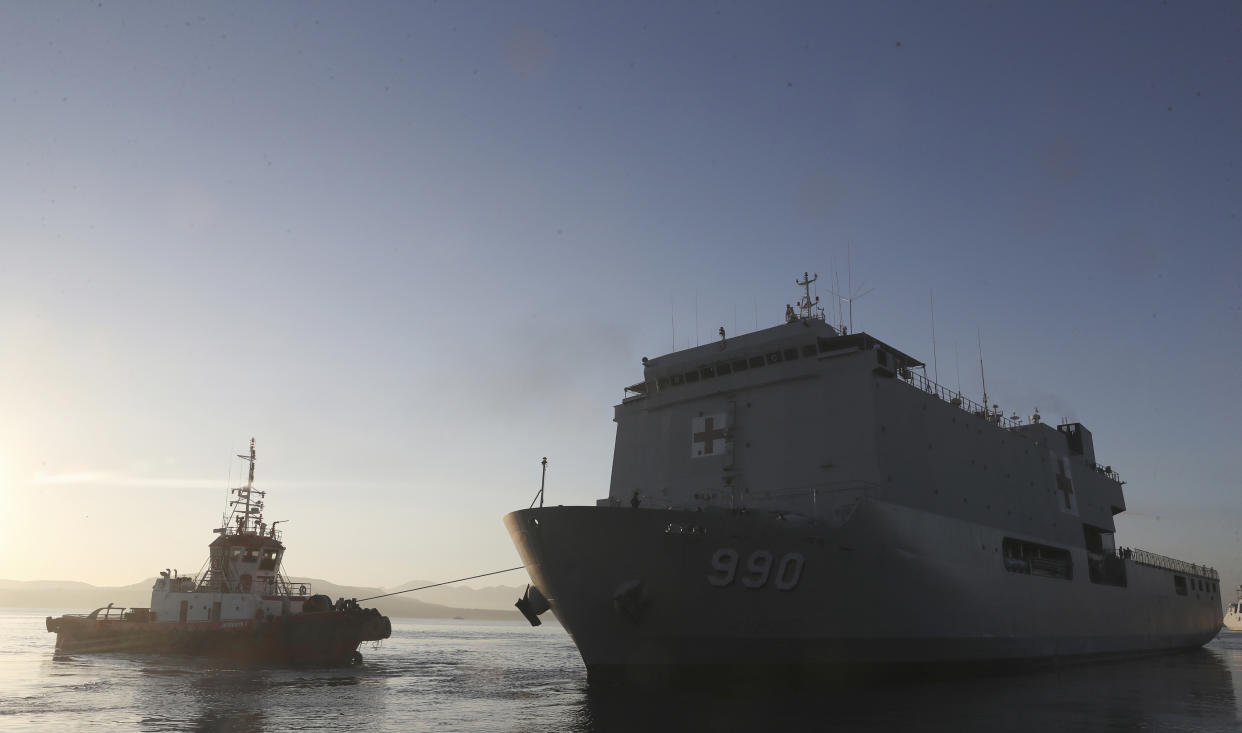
(412, 248)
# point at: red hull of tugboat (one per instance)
(328, 638)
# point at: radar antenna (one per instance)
(982, 379)
(848, 300)
(807, 308)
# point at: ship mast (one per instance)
(246, 504)
(806, 306)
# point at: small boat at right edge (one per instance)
(1233, 613)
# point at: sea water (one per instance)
(455, 675)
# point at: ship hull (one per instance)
(658, 593)
(329, 639)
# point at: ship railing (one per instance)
(1107, 471)
(268, 585)
(109, 613)
(921, 382)
(812, 500)
(634, 392)
(815, 490)
(953, 397)
(284, 587)
(1143, 557)
(296, 590)
(827, 498)
(252, 529)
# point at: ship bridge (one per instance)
(808, 338)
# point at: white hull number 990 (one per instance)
(758, 570)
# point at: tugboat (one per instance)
(241, 608)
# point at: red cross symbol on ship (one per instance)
(710, 434)
(1065, 485)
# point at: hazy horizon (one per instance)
(470, 585)
(413, 248)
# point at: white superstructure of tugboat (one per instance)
(241, 606)
(806, 499)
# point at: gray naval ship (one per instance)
(804, 498)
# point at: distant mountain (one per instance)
(71, 595)
(40, 584)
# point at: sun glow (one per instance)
(8, 482)
(8, 504)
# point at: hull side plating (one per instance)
(329, 638)
(893, 586)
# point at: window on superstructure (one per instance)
(756, 361)
(707, 372)
(740, 365)
(691, 377)
(674, 380)
(1179, 584)
(808, 350)
(235, 553)
(1035, 559)
(824, 344)
(723, 368)
(269, 560)
(774, 357)
(791, 354)
(662, 383)
(881, 357)
(252, 555)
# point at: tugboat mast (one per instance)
(245, 498)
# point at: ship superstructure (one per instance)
(777, 498)
(242, 575)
